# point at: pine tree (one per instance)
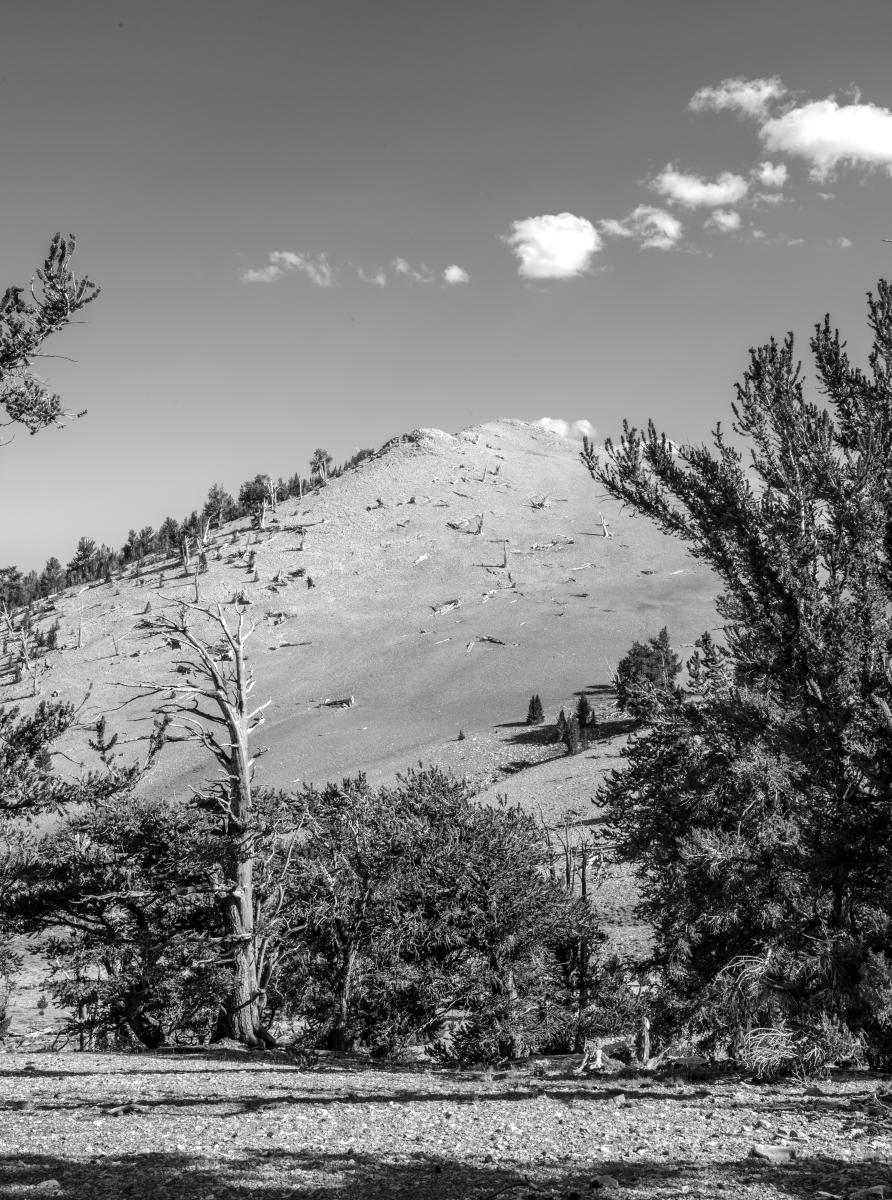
(535, 712)
(571, 736)
(647, 673)
(757, 807)
(560, 728)
(586, 718)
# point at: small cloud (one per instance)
(653, 228)
(758, 234)
(747, 97)
(826, 195)
(770, 198)
(724, 220)
(843, 243)
(281, 262)
(455, 274)
(553, 246)
(261, 274)
(795, 241)
(692, 191)
(422, 275)
(829, 135)
(576, 430)
(379, 279)
(771, 174)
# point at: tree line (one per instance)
(92, 562)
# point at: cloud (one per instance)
(653, 228)
(829, 135)
(455, 274)
(770, 198)
(771, 174)
(844, 243)
(553, 246)
(281, 262)
(261, 274)
(379, 279)
(748, 97)
(724, 220)
(694, 192)
(422, 275)
(577, 430)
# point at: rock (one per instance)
(773, 1154)
(877, 1192)
(603, 1182)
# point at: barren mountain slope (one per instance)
(383, 555)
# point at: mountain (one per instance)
(389, 546)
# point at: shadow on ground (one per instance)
(277, 1174)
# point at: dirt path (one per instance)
(239, 1127)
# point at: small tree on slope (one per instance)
(757, 810)
(647, 673)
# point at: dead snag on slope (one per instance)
(214, 709)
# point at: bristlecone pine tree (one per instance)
(757, 806)
(535, 712)
(646, 674)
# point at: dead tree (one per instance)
(28, 664)
(214, 708)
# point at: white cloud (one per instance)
(553, 246)
(422, 275)
(795, 241)
(653, 228)
(724, 220)
(771, 174)
(577, 430)
(281, 262)
(692, 191)
(379, 279)
(829, 135)
(261, 274)
(770, 198)
(844, 243)
(748, 97)
(455, 274)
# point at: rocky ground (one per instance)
(235, 1126)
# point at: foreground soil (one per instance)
(232, 1126)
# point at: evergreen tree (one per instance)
(571, 736)
(586, 718)
(757, 807)
(647, 673)
(535, 711)
(321, 464)
(560, 727)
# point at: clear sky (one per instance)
(325, 223)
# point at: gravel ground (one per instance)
(236, 1126)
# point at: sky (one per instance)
(327, 223)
